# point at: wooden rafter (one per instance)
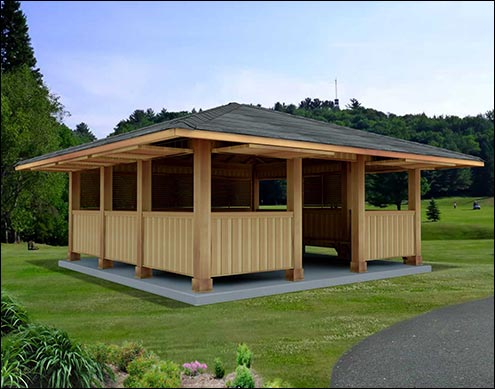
(273, 151)
(113, 157)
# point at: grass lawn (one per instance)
(296, 336)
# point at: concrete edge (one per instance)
(243, 293)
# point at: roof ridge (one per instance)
(210, 114)
(304, 118)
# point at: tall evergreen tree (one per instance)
(432, 212)
(83, 134)
(16, 49)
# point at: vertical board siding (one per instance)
(324, 224)
(121, 236)
(168, 241)
(250, 242)
(389, 234)
(86, 234)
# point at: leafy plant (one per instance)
(277, 383)
(138, 367)
(166, 374)
(244, 355)
(243, 378)
(219, 368)
(149, 372)
(48, 358)
(126, 353)
(14, 316)
(103, 355)
(12, 372)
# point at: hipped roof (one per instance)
(249, 124)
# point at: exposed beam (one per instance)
(421, 161)
(273, 151)
(386, 162)
(222, 136)
(141, 140)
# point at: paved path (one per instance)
(451, 347)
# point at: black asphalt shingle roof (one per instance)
(244, 119)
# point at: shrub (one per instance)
(244, 355)
(164, 375)
(103, 355)
(126, 353)
(100, 352)
(48, 358)
(149, 372)
(219, 368)
(276, 383)
(243, 378)
(14, 316)
(138, 367)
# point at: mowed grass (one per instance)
(295, 336)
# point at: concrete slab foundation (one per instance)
(319, 272)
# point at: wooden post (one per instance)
(256, 190)
(74, 204)
(294, 204)
(143, 205)
(346, 196)
(106, 180)
(414, 204)
(201, 281)
(358, 262)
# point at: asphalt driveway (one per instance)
(451, 347)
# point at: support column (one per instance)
(74, 205)
(143, 205)
(414, 204)
(346, 196)
(106, 180)
(202, 281)
(255, 198)
(357, 176)
(295, 205)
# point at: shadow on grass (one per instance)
(52, 265)
(440, 266)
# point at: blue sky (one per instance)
(106, 59)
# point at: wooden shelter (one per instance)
(182, 196)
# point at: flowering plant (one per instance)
(194, 368)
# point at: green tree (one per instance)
(16, 49)
(32, 202)
(138, 119)
(389, 188)
(432, 212)
(83, 134)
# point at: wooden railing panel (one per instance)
(121, 236)
(86, 232)
(168, 241)
(389, 234)
(250, 242)
(324, 224)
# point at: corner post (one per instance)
(358, 261)
(106, 181)
(414, 204)
(74, 205)
(294, 204)
(202, 281)
(143, 205)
